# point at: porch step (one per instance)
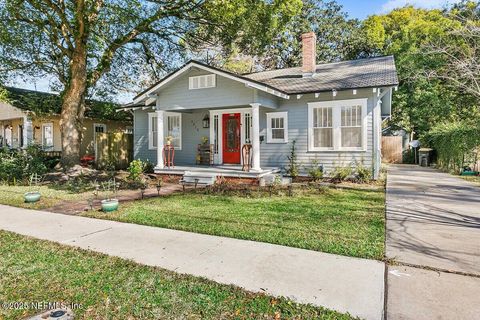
(199, 178)
(272, 178)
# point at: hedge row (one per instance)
(457, 144)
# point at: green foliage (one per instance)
(341, 173)
(293, 165)
(136, 170)
(362, 174)
(410, 34)
(456, 143)
(336, 36)
(19, 165)
(315, 171)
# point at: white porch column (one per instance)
(255, 136)
(160, 114)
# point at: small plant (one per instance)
(204, 140)
(148, 167)
(362, 173)
(135, 170)
(341, 173)
(293, 166)
(315, 171)
(110, 189)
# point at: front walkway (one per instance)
(336, 282)
(433, 231)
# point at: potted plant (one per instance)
(109, 203)
(169, 140)
(32, 196)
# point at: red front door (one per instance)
(231, 138)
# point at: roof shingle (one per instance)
(361, 73)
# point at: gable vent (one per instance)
(202, 82)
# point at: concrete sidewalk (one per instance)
(336, 282)
(433, 221)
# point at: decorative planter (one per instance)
(109, 205)
(31, 197)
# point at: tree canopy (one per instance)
(413, 36)
(90, 44)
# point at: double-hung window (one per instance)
(277, 127)
(172, 129)
(351, 127)
(337, 125)
(322, 124)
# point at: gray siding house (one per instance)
(332, 111)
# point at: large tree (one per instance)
(336, 36)
(421, 100)
(84, 43)
(336, 40)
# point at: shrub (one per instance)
(362, 173)
(341, 173)
(19, 165)
(292, 169)
(455, 143)
(136, 169)
(149, 167)
(315, 171)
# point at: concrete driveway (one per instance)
(433, 232)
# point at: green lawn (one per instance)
(13, 196)
(111, 288)
(346, 222)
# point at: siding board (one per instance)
(229, 93)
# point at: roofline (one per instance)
(343, 89)
(321, 64)
(217, 70)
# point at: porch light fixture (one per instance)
(206, 121)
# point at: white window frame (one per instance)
(336, 123)
(274, 115)
(152, 115)
(165, 127)
(194, 83)
(49, 124)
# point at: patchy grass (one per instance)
(343, 221)
(13, 196)
(111, 288)
(474, 179)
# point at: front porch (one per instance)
(227, 171)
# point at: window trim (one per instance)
(336, 122)
(271, 115)
(151, 115)
(165, 128)
(48, 124)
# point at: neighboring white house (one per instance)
(332, 111)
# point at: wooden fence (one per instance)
(392, 149)
(113, 148)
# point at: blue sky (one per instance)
(355, 9)
(362, 9)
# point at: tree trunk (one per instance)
(73, 109)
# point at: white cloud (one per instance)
(427, 4)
